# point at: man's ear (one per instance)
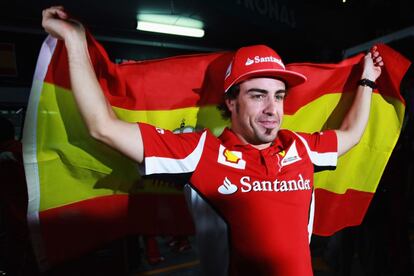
(231, 104)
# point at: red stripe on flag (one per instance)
(197, 80)
(343, 77)
(162, 84)
(75, 229)
(344, 209)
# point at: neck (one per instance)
(256, 146)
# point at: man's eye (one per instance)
(280, 97)
(258, 96)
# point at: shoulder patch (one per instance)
(291, 155)
(230, 158)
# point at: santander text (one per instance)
(274, 186)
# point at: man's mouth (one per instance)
(269, 124)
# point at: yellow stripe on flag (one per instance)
(361, 168)
(66, 152)
(167, 119)
(210, 117)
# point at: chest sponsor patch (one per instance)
(231, 158)
(291, 156)
(247, 185)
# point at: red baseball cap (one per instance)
(259, 61)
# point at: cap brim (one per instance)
(291, 78)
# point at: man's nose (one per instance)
(270, 107)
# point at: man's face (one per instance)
(256, 114)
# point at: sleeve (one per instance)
(322, 148)
(168, 153)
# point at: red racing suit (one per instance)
(264, 196)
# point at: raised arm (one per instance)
(355, 121)
(95, 110)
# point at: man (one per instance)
(258, 178)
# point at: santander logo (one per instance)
(249, 62)
(227, 188)
(259, 59)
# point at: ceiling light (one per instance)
(169, 29)
(170, 24)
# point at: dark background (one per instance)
(300, 30)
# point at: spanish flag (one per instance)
(83, 194)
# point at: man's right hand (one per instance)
(57, 23)
(94, 108)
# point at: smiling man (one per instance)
(257, 177)
(259, 110)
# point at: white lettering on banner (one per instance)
(271, 9)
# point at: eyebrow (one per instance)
(264, 91)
